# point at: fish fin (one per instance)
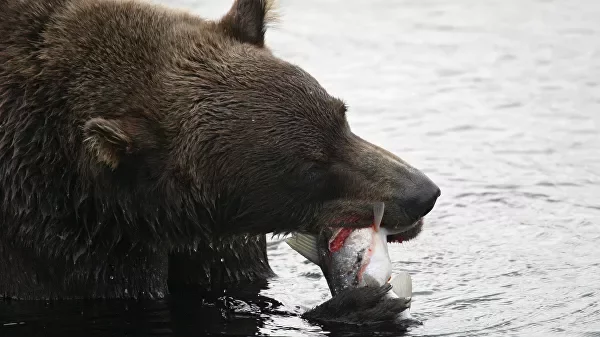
(378, 209)
(402, 284)
(305, 245)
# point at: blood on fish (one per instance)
(338, 242)
(365, 263)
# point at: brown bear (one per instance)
(145, 150)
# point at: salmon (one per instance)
(350, 257)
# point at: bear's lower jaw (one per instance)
(409, 234)
(404, 228)
(359, 214)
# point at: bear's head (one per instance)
(246, 142)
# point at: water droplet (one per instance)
(222, 260)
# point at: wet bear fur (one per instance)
(145, 151)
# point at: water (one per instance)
(498, 101)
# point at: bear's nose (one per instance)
(421, 197)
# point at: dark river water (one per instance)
(498, 101)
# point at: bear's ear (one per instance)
(108, 140)
(247, 20)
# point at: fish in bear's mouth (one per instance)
(351, 257)
(398, 236)
(393, 236)
(357, 257)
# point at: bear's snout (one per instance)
(377, 175)
(420, 197)
(410, 195)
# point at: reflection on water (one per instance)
(498, 102)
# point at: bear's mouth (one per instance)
(395, 236)
(401, 224)
(407, 234)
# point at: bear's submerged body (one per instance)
(145, 151)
